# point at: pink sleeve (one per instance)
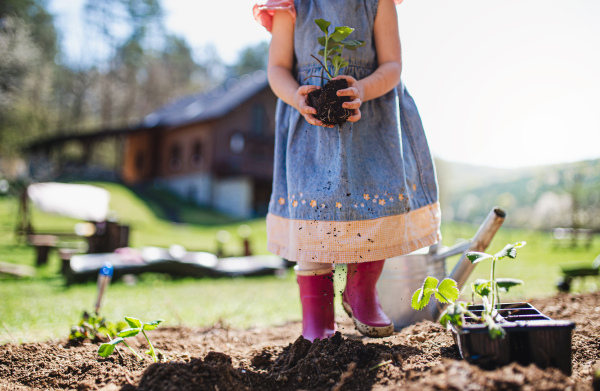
(264, 13)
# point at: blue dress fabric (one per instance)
(360, 192)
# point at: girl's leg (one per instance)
(361, 301)
(316, 295)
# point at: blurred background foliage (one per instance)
(143, 67)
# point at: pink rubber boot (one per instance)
(316, 296)
(361, 301)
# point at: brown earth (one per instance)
(420, 357)
(328, 104)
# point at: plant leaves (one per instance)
(352, 44)
(133, 322)
(508, 251)
(476, 257)
(341, 33)
(520, 244)
(323, 25)
(495, 331)
(421, 297)
(322, 40)
(107, 348)
(449, 289)
(481, 287)
(129, 333)
(453, 315)
(504, 284)
(153, 324)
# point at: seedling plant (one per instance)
(136, 326)
(446, 292)
(95, 327)
(325, 101)
(333, 44)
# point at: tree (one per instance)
(251, 59)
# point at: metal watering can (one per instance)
(403, 275)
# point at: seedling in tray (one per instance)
(136, 326)
(325, 100)
(489, 290)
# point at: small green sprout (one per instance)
(94, 327)
(135, 327)
(447, 292)
(333, 44)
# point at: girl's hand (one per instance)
(301, 100)
(356, 92)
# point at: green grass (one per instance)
(42, 307)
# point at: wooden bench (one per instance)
(43, 244)
(571, 273)
(572, 237)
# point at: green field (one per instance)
(43, 307)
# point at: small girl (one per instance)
(355, 194)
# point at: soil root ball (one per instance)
(328, 104)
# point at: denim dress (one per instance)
(360, 192)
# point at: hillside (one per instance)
(539, 197)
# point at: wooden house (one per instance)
(214, 148)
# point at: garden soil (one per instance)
(420, 357)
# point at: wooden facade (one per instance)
(224, 161)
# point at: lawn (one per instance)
(42, 307)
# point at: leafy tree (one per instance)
(251, 59)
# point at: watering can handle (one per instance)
(480, 242)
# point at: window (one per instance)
(236, 143)
(197, 156)
(175, 163)
(259, 119)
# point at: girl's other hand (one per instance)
(356, 93)
(308, 112)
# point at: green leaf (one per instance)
(496, 331)
(520, 244)
(107, 348)
(504, 284)
(341, 33)
(335, 61)
(508, 251)
(323, 25)
(322, 40)
(133, 322)
(352, 44)
(449, 290)
(453, 315)
(476, 257)
(344, 64)
(419, 300)
(481, 287)
(129, 333)
(421, 297)
(153, 324)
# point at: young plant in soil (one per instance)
(446, 292)
(94, 327)
(325, 100)
(135, 327)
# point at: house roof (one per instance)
(209, 105)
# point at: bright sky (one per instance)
(504, 83)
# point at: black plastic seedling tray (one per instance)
(531, 337)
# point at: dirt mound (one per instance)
(420, 357)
